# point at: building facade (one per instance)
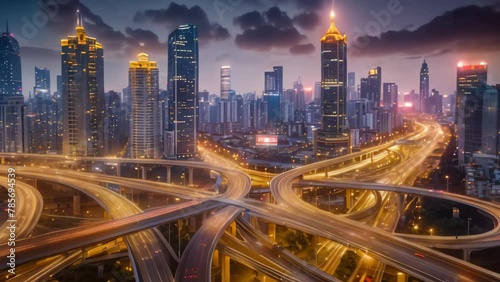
(82, 69)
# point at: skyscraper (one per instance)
(273, 93)
(351, 86)
(424, 89)
(225, 82)
(332, 139)
(82, 72)
(375, 86)
(183, 68)
(144, 139)
(469, 109)
(12, 110)
(114, 123)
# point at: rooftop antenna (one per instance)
(79, 18)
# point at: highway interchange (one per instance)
(146, 244)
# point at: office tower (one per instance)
(332, 139)
(469, 109)
(317, 93)
(424, 89)
(273, 92)
(299, 101)
(42, 113)
(144, 139)
(59, 115)
(225, 82)
(183, 68)
(435, 103)
(113, 124)
(363, 88)
(13, 138)
(82, 69)
(357, 113)
(375, 86)
(351, 86)
(390, 97)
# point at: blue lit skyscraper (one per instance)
(12, 137)
(180, 137)
(424, 88)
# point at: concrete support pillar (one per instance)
(271, 231)
(225, 268)
(191, 173)
(326, 172)
(467, 255)
(348, 198)
(169, 173)
(119, 170)
(402, 277)
(76, 205)
(372, 156)
(144, 172)
(298, 191)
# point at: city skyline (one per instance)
(219, 48)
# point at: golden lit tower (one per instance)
(332, 140)
(82, 72)
(144, 140)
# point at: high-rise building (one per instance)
(299, 101)
(390, 97)
(469, 109)
(424, 89)
(351, 86)
(183, 68)
(225, 82)
(363, 88)
(13, 138)
(82, 60)
(42, 115)
(144, 139)
(375, 86)
(317, 92)
(10, 65)
(273, 92)
(332, 138)
(113, 124)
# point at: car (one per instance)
(419, 255)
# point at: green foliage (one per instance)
(348, 264)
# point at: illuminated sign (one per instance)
(266, 140)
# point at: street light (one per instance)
(431, 231)
(447, 183)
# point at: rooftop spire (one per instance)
(79, 18)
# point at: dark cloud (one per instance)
(249, 20)
(176, 15)
(302, 49)
(114, 42)
(278, 18)
(310, 5)
(307, 20)
(466, 29)
(272, 29)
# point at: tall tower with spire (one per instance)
(332, 139)
(424, 88)
(82, 67)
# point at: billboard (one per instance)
(266, 140)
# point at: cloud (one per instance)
(310, 5)
(177, 14)
(271, 29)
(302, 49)
(307, 20)
(465, 29)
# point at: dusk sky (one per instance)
(254, 35)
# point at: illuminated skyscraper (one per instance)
(375, 86)
(83, 94)
(273, 93)
(12, 110)
(469, 113)
(225, 82)
(183, 68)
(424, 89)
(144, 139)
(332, 139)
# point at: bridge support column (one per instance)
(467, 255)
(144, 172)
(326, 172)
(402, 277)
(225, 268)
(298, 191)
(348, 198)
(271, 231)
(372, 157)
(118, 170)
(191, 172)
(76, 205)
(169, 173)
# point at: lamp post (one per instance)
(447, 183)
(431, 231)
